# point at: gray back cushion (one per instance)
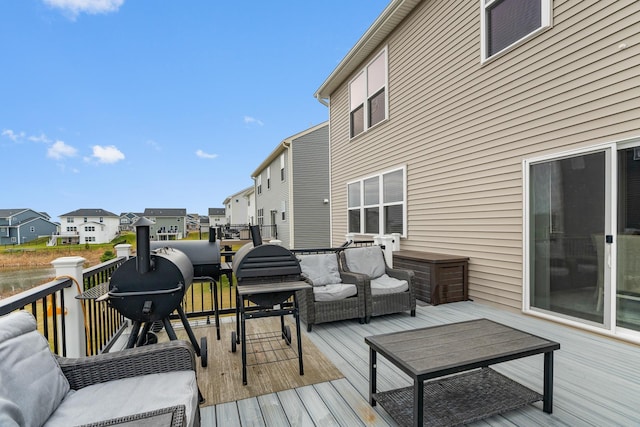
(321, 269)
(367, 260)
(31, 382)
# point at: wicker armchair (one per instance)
(384, 293)
(101, 390)
(316, 305)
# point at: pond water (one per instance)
(13, 282)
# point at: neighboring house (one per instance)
(292, 189)
(236, 207)
(88, 226)
(193, 222)
(170, 224)
(127, 219)
(504, 133)
(19, 226)
(217, 217)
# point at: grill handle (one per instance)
(116, 294)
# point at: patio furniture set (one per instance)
(156, 384)
(352, 283)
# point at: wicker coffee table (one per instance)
(466, 349)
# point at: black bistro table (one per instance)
(457, 348)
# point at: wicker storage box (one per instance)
(439, 278)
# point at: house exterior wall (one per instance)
(101, 229)
(309, 181)
(272, 198)
(462, 128)
(23, 226)
(236, 208)
(174, 225)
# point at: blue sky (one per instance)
(131, 104)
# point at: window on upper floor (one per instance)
(368, 95)
(269, 177)
(377, 204)
(85, 219)
(69, 219)
(32, 229)
(506, 23)
(281, 167)
(259, 184)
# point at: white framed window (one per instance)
(368, 95)
(507, 23)
(32, 229)
(261, 216)
(377, 204)
(269, 177)
(259, 184)
(282, 167)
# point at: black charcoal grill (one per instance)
(205, 258)
(148, 287)
(268, 276)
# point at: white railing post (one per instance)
(71, 267)
(387, 241)
(123, 249)
(396, 241)
(350, 237)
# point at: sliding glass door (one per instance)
(628, 240)
(584, 237)
(567, 217)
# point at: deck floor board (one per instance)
(596, 378)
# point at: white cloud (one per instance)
(40, 138)
(252, 120)
(204, 155)
(60, 150)
(13, 135)
(109, 154)
(93, 7)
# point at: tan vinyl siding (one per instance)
(462, 128)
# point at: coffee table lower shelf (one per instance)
(459, 399)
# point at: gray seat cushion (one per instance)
(367, 260)
(335, 292)
(129, 396)
(388, 285)
(32, 384)
(320, 269)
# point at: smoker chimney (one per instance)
(143, 251)
(255, 235)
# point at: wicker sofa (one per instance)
(153, 384)
(387, 290)
(334, 294)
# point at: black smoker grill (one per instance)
(149, 287)
(268, 276)
(205, 258)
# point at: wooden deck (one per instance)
(596, 381)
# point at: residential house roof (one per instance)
(216, 211)
(164, 212)
(239, 193)
(388, 20)
(89, 212)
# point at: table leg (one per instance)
(547, 399)
(296, 315)
(418, 402)
(372, 376)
